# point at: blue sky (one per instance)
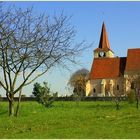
(122, 21)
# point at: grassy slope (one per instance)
(67, 120)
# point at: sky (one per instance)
(122, 20)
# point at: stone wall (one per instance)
(106, 87)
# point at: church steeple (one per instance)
(104, 42)
(103, 49)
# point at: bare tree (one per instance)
(30, 43)
(78, 81)
(133, 82)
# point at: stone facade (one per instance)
(106, 87)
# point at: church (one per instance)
(110, 75)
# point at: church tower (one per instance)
(103, 49)
(109, 75)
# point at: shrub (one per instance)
(43, 94)
(131, 96)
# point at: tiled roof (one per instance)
(107, 68)
(133, 60)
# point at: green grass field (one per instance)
(67, 120)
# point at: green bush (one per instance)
(131, 96)
(43, 94)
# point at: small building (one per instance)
(110, 75)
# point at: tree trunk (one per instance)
(137, 98)
(117, 106)
(19, 99)
(117, 103)
(11, 105)
(137, 103)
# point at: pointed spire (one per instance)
(104, 42)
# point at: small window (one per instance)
(94, 90)
(117, 87)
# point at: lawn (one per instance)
(69, 120)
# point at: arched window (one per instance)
(94, 90)
(117, 87)
(132, 85)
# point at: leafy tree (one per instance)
(30, 45)
(78, 82)
(43, 94)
